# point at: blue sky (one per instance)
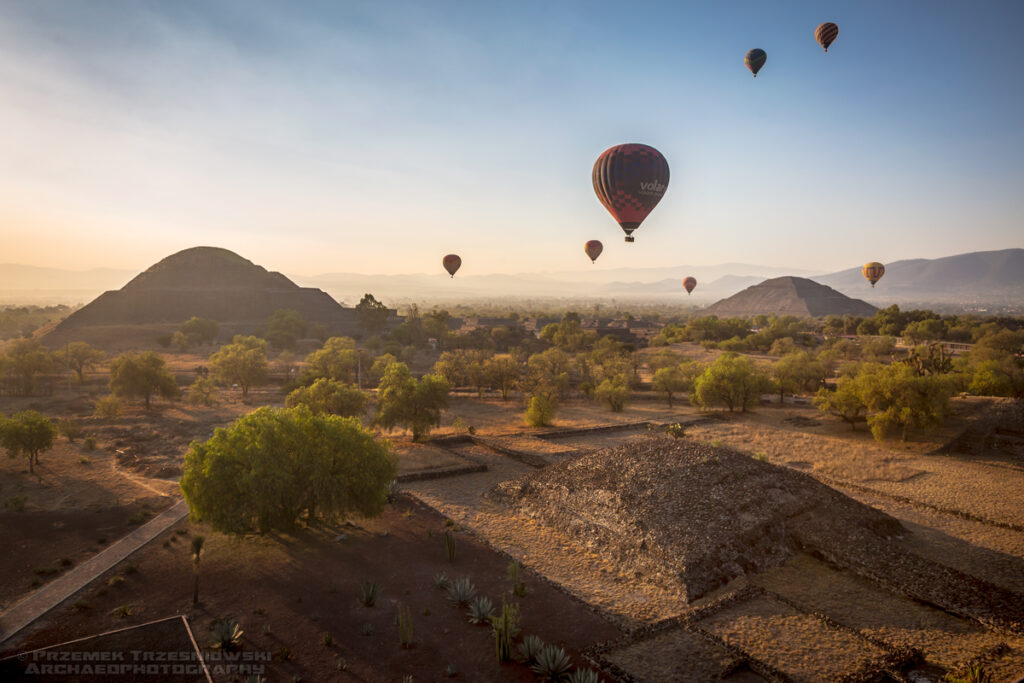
(378, 136)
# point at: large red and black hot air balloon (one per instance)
(630, 180)
(451, 263)
(755, 59)
(873, 272)
(593, 248)
(689, 284)
(826, 34)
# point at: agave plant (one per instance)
(584, 676)
(441, 581)
(530, 648)
(461, 591)
(480, 610)
(226, 634)
(368, 592)
(552, 664)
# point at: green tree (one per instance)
(380, 366)
(404, 401)
(844, 402)
(548, 372)
(504, 374)
(24, 359)
(797, 372)
(569, 335)
(141, 375)
(202, 392)
(284, 328)
(371, 314)
(337, 360)
(200, 330)
(81, 356)
(731, 381)
(28, 434)
(898, 398)
(540, 410)
(669, 381)
(273, 468)
(329, 396)
(452, 366)
(242, 362)
(1004, 377)
(613, 392)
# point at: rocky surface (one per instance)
(679, 511)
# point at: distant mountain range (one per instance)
(992, 277)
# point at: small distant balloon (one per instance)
(451, 263)
(630, 180)
(689, 284)
(873, 272)
(755, 59)
(593, 248)
(826, 34)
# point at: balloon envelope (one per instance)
(451, 263)
(689, 284)
(593, 248)
(755, 59)
(630, 180)
(826, 34)
(873, 272)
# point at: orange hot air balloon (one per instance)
(825, 34)
(873, 272)
(630, 180)
(593, 249)
(451, 263)
(689, 284)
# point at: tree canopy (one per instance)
(404, 401)
(284, 328)
(242, 362)
(141, 375)
(82, 356)
(337, 360)
(273, 468)
(27, 433)
(329, 396)
(731, 381)
(371, 314)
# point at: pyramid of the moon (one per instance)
(789, 296)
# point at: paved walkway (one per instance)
(57, 591)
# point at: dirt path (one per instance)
(52, 594)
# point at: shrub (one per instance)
(66, 562)
(226, 634)
(202, 392)
(108, 406)
(480, 610)
(540, 411)
(552, 664)
(115, 581)
(69, 429)
(461, 591)
(122, 611)
(974, 673)
(284, 653)
(89, 444)
(441, 581)
(368, 592)
(676, 430)
(16, 503)
(530, 648)
(84, 461)
(449, 545)
(327, 640)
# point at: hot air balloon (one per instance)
(451, 263)
(873, 272)
(593, 248)
(630, 180)
(689, 284)
(826, 34)
(755, 59)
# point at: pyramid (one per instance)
(789, 296)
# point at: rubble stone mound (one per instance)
(681, 511)
(789, 296)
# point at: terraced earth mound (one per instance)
(682, 511)
(789, 296)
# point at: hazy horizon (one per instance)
(368, 138)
